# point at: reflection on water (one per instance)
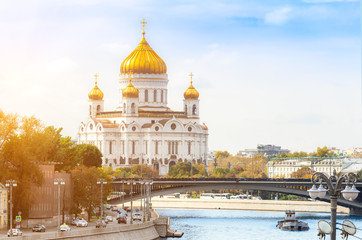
(240, 224)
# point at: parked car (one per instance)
(39, 228)
(108, 207)
(16, 232)
(82, 223)
(137, 216)
(75, 221)
(64, 228)
(114, 208)
(109, 218)
(101, 223)
(121, 219)
(105, 219)
(128, 209)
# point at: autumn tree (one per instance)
(323, 152)
(304, 172)
(221, 154)
(183, 170)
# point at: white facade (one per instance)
(144, 130)
(284, 168)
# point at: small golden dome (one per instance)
(143, 60)
(191, 93)
(130, 91)
(95, 93)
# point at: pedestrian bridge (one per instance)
(166, 186)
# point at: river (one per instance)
(240, 224)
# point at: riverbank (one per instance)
(237, 204)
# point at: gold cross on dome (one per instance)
(96, 77)
(191, 75)
(143, 23)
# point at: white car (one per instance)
(137, 216)
(82, 223)
(16, 232)
(110, 218)
(64, 228)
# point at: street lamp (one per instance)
(131, 182)
(101, 181)
(59, 182)
(10, 184)
(334, 184)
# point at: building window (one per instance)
(155, 95)
(122, 147)
(124, 108)
(98, 108)
(146, 95)
(194, 109)
(169, 147)
(173, 126)
(146, 143)
(133, 108)
(185, 108)
(110, 147)
(156, 147)
(133, 147)
(162, 96)
(189, 147)
(90, 110)
(176, 147)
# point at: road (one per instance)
(28, 232)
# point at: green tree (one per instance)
(88, 155)
(86, 191)
(183, 170)
(323, 152)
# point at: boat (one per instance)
(291, 224)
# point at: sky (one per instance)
(277, 72)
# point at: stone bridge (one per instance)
(166, 186)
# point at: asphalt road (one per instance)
(28, 232)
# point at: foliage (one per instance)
(183, 170)
(359, 174)
(88, 155)
(304, 172)
(221, 154)
(86, 191)
(323, 152)
(135, 172)
(25, 145)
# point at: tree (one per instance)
(221, 154)
(88, 155)
(183, 170)
(86, 191)
(29, 145)
(323, 152)
(304, 172)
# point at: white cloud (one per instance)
(279, 16)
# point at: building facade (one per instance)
(143, 129)
(284, 168)
(3, 207)
(266, 150)
(44, 208)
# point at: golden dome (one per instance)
(130, 91)
(143, 60)
(95, 93)
(191, 93)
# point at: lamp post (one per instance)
(123, 194)
(101, 181)
(10, 184)
(59, 182)
(131, 182)
(334, 184)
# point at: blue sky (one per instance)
(268, 72)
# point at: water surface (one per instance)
(209, 224)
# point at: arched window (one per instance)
(133, 108)
(155, 95)
(162, 96)
(146, 95)
(194, 109)
(124, 108)
(90, 110)
(185, 108)
(133, 147)
(98, 108)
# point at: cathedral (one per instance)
(142, 129)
